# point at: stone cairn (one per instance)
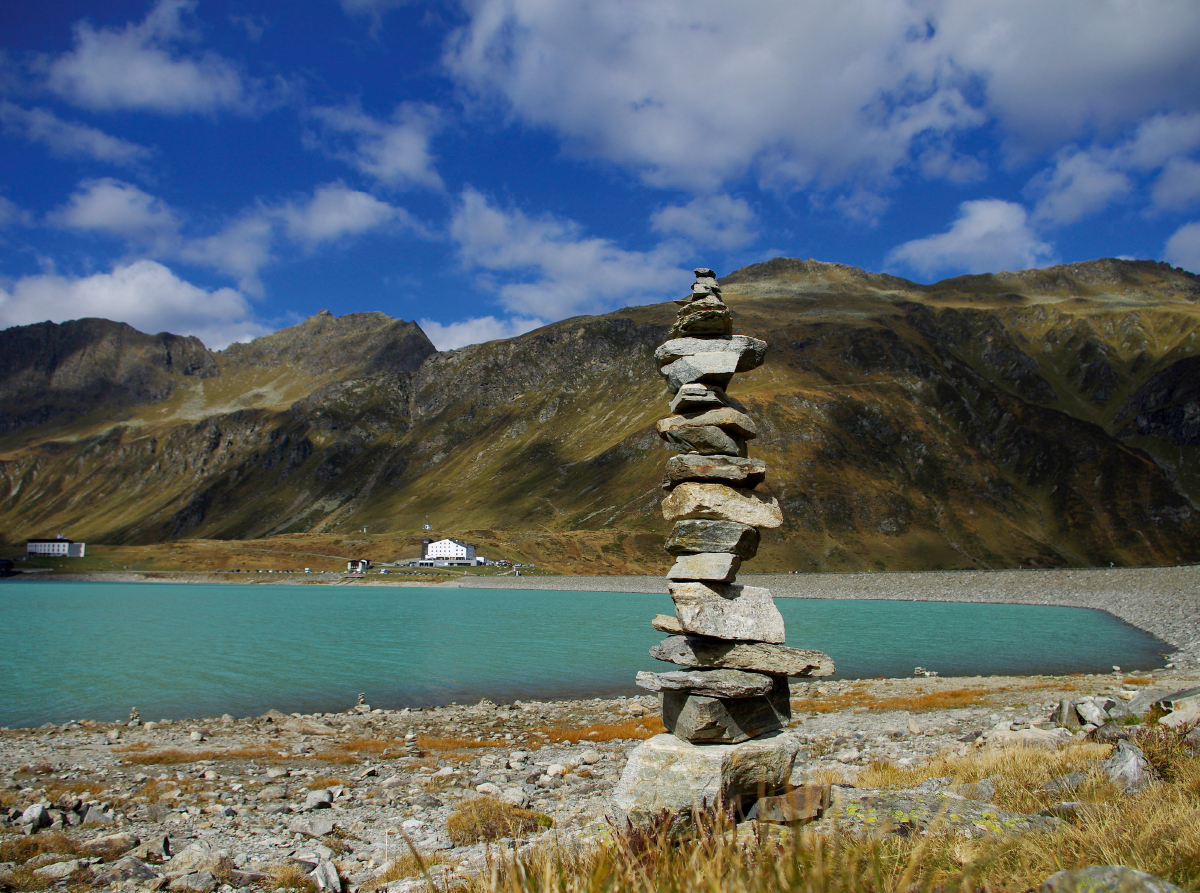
(726, 712)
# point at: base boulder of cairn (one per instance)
(727, 748)
(666, 774)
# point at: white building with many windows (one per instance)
(59, 547)
(448, 553)
(447, 548)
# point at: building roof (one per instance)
(55, 540)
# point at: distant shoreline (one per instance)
(1163, 601)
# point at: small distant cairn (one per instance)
(726, 712)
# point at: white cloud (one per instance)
(371, 9)
(240, 248)
(394, 152)
(989, 236)
(140, 67)
(67, 139)
(722, 221)
(335, 211)
(10, 212)
(1183, 248)
(144, 294)
(1080, 184)
(1178, 186)
(697, 93)
(476, 331)
(120, 209)
(554, 269)
(1084, 181)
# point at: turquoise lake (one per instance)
(93, 650)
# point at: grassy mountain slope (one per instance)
(1037, 418)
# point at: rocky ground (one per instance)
(241, 799)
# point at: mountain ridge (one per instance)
(961, 423)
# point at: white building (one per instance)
(59, 547)
(449, 553)
(448, 548)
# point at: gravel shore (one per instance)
(1164, 601)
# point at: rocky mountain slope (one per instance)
(1036, 418)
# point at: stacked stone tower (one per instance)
(726, 712)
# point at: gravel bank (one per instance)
(1164, 601)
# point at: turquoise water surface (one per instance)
(93, 650)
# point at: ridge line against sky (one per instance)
(221, 168)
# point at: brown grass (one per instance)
(319, 782)
(638, 728)
(338, 757)
(1157, 831)
(1137, 680)
(1166, 750)
(173, 756)
(291, 876)
(22, 849)
(56, 789)
(486, 818)
(405, 867)
(449, 742)
(935, 700)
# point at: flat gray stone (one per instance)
(667, 775)
(712, 683)
(326, 877)
(1128, 768)
(714, 368)
(713, 536)
(802, 804)
(745, 613)
(749, 351)
(725, 417)
(692, 397)
(1106, 879)
(37, 815)
(717, 502)
(203, 855)
(732, 470)
(776, 660)
(128, 868)
(718, 567)
(58, 871)
(667, 624)
(706, 440)
(707, 720)
(1179, 700)
(707, 321)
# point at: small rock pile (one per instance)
(733, 699)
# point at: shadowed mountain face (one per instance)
(1037, 418)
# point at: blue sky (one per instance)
(224, 168)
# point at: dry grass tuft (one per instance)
(1166, 749)
(486, 818)
(936, 700)
(22, 849)
(433, 742)
(1137, 680)
(638, 728)
(291, 876)
(319, 782)
(173, 756)
(337, 757)
(405, 867)
(1157, 831)
(56, 789)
